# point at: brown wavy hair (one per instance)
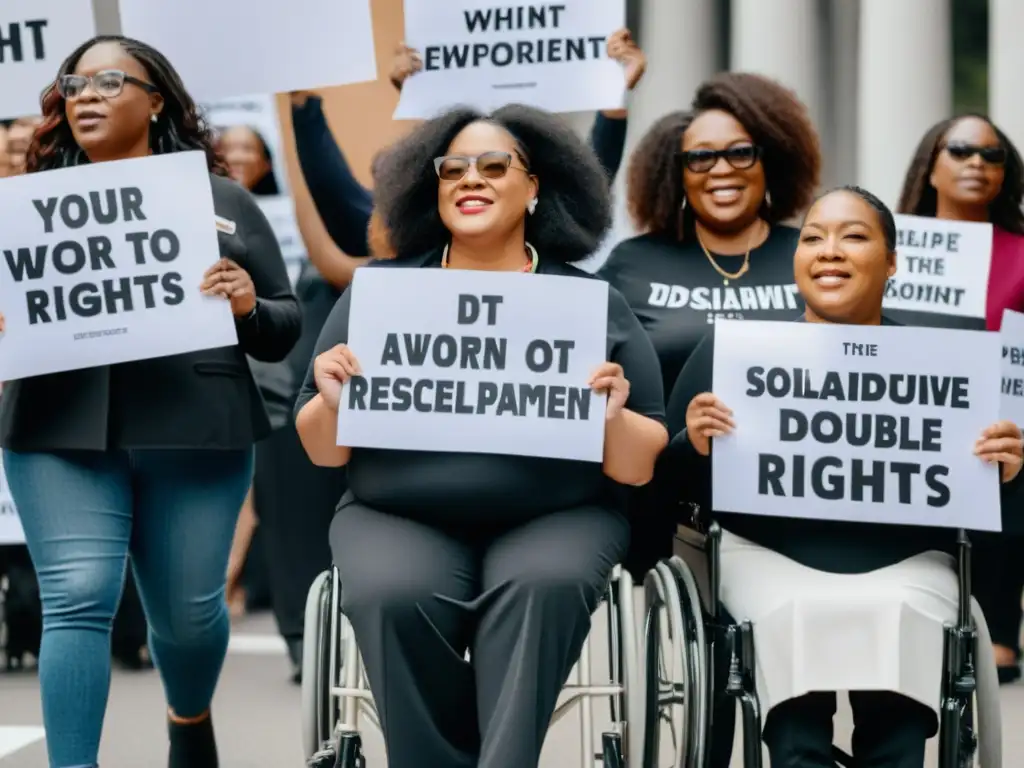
(778, 123)
(180, 127)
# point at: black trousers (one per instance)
(997, 565)
(889, 731)
(519, 599)
(295, 502)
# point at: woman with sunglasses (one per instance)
(149, 459)
(506, 556)
(709, 190)
(966, 169)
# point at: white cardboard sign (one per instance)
(476, 362)
(102, 264)
(856, 423)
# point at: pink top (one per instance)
(1006, 277)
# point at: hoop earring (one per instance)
(531, 206)
(767, 199)
(682, 206)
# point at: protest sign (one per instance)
(1011, 332)
(871, 424)
(102, 264)
(487, 54)
(476, 362)
(942, 272)
(285, 46)
(10, 524)
(259, 113)
(35, 37)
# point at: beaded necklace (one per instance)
(529, 267)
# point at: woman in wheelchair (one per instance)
(835, 606)
(504, 556)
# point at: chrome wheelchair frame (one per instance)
(336, 693)
(685, 623)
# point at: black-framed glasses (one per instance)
(991, 155)
(490, 165)
(739, 156)
(107, 84)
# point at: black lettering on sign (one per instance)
(382, 393)
(445, 351)
(939, 295)
(924, 239)
(23, 40)
(539, 50)
(110, 296)
(830, 479)
(897, 388)
(470, 308)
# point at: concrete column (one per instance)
(780, 39)
(841, 101)
(108, 16)
(1005, 67)
(905, 85)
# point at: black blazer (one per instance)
(202, 399)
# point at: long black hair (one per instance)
(573, 208)
(920, 198)
(180, 126)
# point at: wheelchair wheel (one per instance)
(671, 687)
(697, 656)
(987, 709)
(315, 665)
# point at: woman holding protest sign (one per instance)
(845, 257)
(150, 459)
(966, 169)
(508, 555)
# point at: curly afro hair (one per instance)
(574, 208)
(776, 120)
(919, 197)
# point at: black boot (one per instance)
(192, 745)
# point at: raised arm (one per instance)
(343, 203)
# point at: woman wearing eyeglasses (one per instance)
(506, 556)
(709, 189)
(966, 169)
(150, 459)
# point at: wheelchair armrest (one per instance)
(700, 549)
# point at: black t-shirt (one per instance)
(677, 294)
(444, 486)
(825, 545)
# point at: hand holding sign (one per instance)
(1001, 443)
(623, 49)
(226, 278)
(707, 417)
(407, 62)
(610, 379)
(331, 370)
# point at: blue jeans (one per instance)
(84, 513)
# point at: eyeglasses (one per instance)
(740, 157)
(107, 84)
(490, 165)
(990, 155)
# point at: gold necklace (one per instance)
(727, 276)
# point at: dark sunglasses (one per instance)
(990, 155)
(490, 165)
(107, 84)
(740, 157)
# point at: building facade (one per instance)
(875, 74)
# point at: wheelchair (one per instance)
(336, 693)
(685, 623)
